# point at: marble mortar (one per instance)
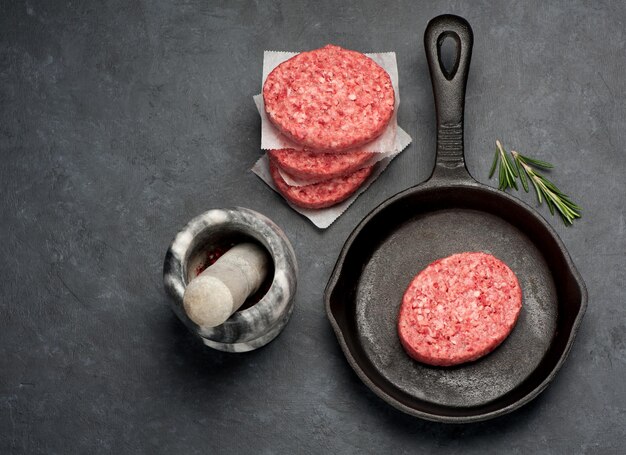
(249, 328)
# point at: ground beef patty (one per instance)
(329, 99)
(318, 166)
(323, 194)
(458, 309)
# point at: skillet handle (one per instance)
(449, 89)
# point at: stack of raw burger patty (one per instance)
(332, 102)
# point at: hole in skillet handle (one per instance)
(449, 54)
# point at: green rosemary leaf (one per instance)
(550, 185)
(495, 163)
(568, 204)
(567, 214)
(572, 205)
(538, 163)
(521, 171)
(550, 205)
(537, 190)
(507, 172)
(510, 165)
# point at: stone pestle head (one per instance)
(220, 290)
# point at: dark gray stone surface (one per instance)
(120, 121)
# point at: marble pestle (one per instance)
(214, 295)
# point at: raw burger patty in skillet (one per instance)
(323, 194)
(329, 99)
(459, 309)
(318, 166)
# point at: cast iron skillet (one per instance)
(447, 214)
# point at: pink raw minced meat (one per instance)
(459, 309)
(329, 99)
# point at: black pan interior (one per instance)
(397, 241)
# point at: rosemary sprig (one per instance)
(507, 174)
(525, 169)
(555, 198)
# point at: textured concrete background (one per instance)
(119, 121)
